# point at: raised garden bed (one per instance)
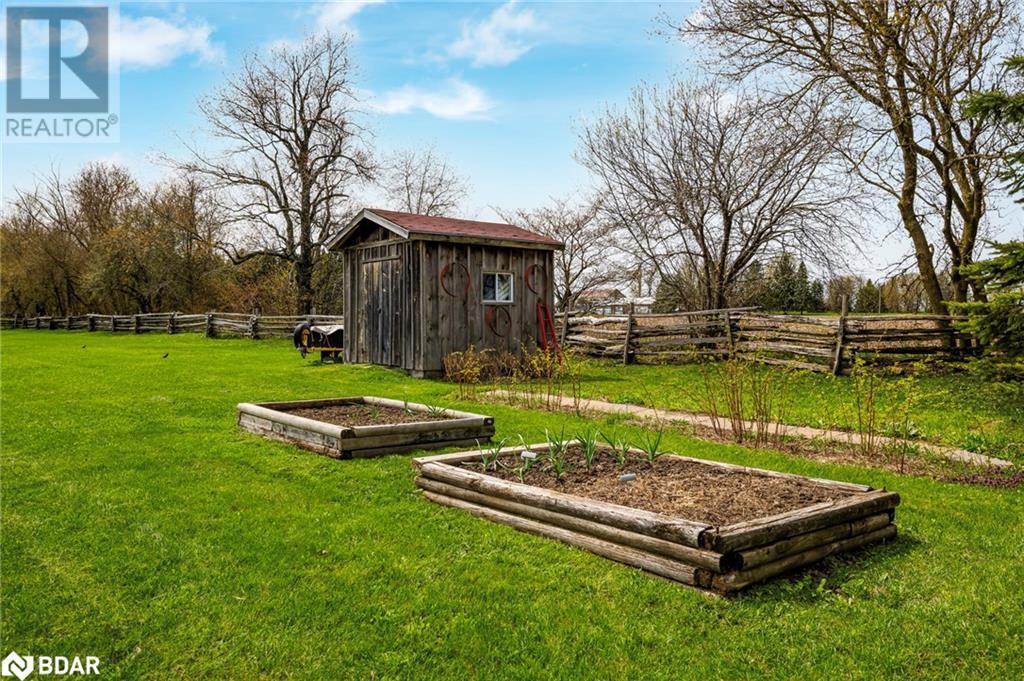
(359, 427)
(710, 525)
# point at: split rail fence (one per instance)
(211, 324)
(825, 344)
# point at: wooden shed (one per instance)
(418, 287)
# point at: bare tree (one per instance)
(906, 65)
(707, 181)
(293, 152)
(60, 222)
(423, 182)
(587, 261)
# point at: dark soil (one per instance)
(364, 415)
(671, 486)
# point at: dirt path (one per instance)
(841, 436)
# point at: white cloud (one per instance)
(334, 16)
(457, 99)
(151, 42)
(496, 40)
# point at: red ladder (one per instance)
(546, 326)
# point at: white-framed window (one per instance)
(497, 287)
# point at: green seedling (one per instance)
(489, 455)
(650, 443)
(559, 444)
(588, 443)
(619, 450)
(436, 411)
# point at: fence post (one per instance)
(565, 327)
(254, 322)
(727, 319)
(135, 323)
(49, 323)
(171, 324)
(92, 323)
(208, 330)
(626, 356)
(837, 361)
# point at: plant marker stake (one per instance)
(627, 477)
(529, 455)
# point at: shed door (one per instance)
(381, 327)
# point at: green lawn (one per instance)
(141, 526)
(956, 408)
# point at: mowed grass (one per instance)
(139, 525)
(954, 407)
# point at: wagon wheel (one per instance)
(493, 323)
(530, 279)
(443, 278)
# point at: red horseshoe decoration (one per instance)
(444, 274)
(529, 283)
(492, 323)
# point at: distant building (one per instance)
(599, 297)
(612, 301)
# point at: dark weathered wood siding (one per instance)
(397, 313)
(379, 325)
(454, 322)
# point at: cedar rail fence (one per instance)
(211, 324)
(825, 344)
(814, 343)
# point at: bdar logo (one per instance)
(16, 665)
(48, 665)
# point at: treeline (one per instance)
(243, 223)
(784, 284)
(101, 242)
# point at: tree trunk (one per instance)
(304, 286)
(908, 193)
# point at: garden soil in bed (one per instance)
(671, 486)
(350, 415)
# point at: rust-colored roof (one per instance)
(471, 229)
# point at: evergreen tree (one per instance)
(999, 323)
(1008, 108)
(782, 284)
(666, 298)
(802, 289)
(816, 296)
(868, 298)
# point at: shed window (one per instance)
(497, 287)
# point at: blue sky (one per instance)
(500, 89)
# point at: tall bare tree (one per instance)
(293, 151)
(906, 66)
(588, 259)
(423, 182)
(707, 181)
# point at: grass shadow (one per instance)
(832, 574)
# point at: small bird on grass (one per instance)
(165, 355)
(83, 347)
